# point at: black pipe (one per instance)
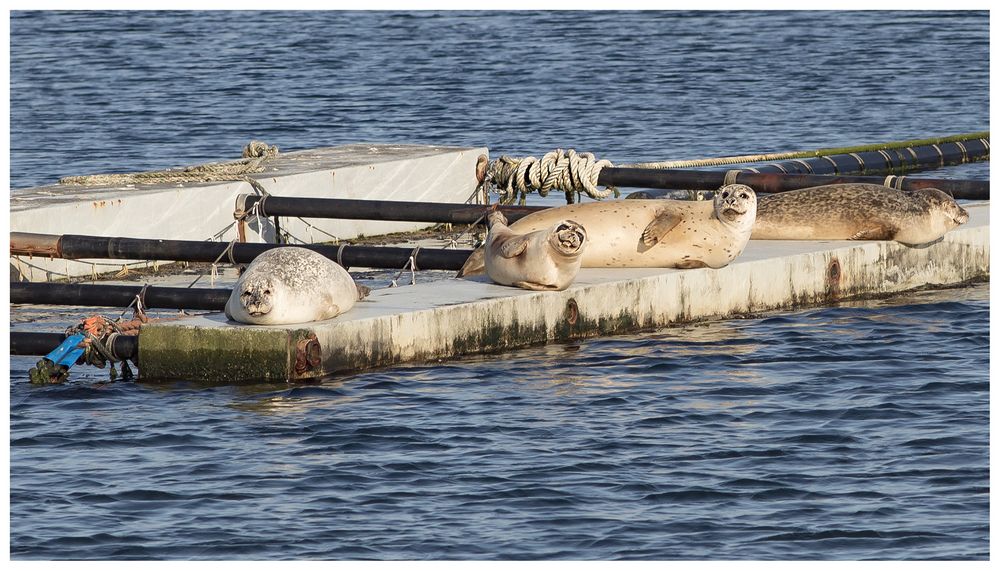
(75, 247)
(35, 343)
(775, 182)
(884, 162)
(350, 209)
(212, 299)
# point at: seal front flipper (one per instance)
(659, 227)
(877, 232)
(514, 247)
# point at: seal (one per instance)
(292, 285)
(652, 233)
(541, 260)
(854, 211)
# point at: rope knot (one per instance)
(259, 149)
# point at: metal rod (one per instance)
(73, 246)
(42, 293)
(776, 182)
(35, 343)
(351, 209)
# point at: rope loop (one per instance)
(571, 172)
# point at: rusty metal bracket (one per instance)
(308, 354)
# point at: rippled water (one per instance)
(851, 432)
(856, 432)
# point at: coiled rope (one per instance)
(571, 172)
(255, 153)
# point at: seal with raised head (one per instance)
(854, 211)
(292, 285)
(652, 233)
(541, 260)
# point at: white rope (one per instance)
(568, 171)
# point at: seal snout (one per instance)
(256, 299)
(570, 236)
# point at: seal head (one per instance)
(547, 259)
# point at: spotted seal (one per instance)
(546, 259)
(855, 211)
(292, 285)
(652, 233)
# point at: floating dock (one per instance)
(455, 317)
(205, 210)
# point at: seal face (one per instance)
(546, 259)
(858, 212)
(652, 233)
(292, 285)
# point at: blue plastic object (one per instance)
(68, 351)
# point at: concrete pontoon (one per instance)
(454, 317)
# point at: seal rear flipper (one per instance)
(514, 247)
(475, 264)
(363, 291)
(659, 227)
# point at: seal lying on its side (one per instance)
(858, 212)
(540, 260)
(292, 285)
(652, 233)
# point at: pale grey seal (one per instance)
(292, 285)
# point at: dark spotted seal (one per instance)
(858, 212)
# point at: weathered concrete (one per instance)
(197, 211)
(457, 317)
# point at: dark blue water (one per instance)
(94, 92)
(851, 432)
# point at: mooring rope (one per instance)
(255, 154)
(571, 172)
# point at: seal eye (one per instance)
(725, 194)
(744, 196)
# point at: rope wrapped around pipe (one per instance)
(571, 172)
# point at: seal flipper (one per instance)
(474, 265)
(514, 247)
(363, 291)
(659, 227)
(876, 232)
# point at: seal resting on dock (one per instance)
(652, 233)
(541, 260)
(857, 211)
(292, 285)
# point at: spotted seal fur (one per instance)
(292, 285)
(855, 211)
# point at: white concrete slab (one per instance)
(204, 211)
